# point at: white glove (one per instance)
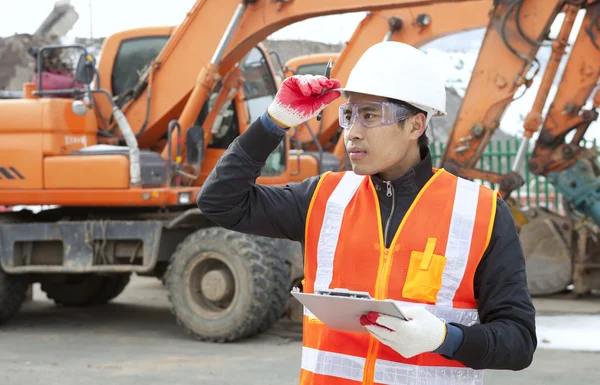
(423, 332)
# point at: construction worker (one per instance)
(446, 249)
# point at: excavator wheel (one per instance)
(73, 289)
(547, 240)
(224, 286)
(113, 286)
(84, 289)
(280, 270)
(13, 290)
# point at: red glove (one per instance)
(300, 98)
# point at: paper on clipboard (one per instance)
(340, 309)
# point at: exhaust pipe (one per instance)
(135, 172)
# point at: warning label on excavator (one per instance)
(10, 173)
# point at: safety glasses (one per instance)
(372, 114)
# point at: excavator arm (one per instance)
(573, 170)
(566, 165)
(506, 63)
(471, 134)
(566, 114)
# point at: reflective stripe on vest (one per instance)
(431, 262)
(318, 363)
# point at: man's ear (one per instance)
(418, 126)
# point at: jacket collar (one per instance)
(412, 181)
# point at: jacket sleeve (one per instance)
(231, 198)
(505, 338)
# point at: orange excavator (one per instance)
(124, 150)
(560, 250)
(120, 150)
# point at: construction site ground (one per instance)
(135, 340)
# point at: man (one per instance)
(445, 248)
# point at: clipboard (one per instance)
(341, 309)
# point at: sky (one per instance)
(99, 18)
(109, 16)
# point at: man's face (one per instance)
(384, 148)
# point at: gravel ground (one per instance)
(134, 340)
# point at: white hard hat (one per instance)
(399, 71)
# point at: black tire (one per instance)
(113, 286)
(247, 273)
(281, 279)
(13, 289)
(73, 289)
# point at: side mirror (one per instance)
(86, 70)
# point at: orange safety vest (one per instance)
(431, 262)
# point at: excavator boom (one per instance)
(235, 27)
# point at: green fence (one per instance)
(499, 157)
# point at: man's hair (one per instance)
(423, 141)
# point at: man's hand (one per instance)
(423, 332)
(302, 97)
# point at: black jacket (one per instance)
(505, 337)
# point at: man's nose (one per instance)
(355, 130)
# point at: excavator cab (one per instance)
(313, 64)
(38, 131)
(99, 166)
(89, 130)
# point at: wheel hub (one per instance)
(217, 285)
(212, 285)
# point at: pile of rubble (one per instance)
(16, 64)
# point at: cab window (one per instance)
(260, 90)
(311, 69)
(132, 57)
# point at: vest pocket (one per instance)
(424, 276)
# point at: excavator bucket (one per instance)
(547, 240)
